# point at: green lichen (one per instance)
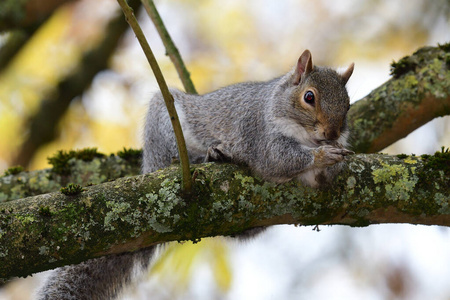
(307, 204)
(435, 82)
(118, 211)
(81, 170)
(405, 90)
(25, 220)
(43, 250)
(351, 183)
(71, 189)
(397, 181)
(157, 211)
(3, 197)
(443, 201)
(356, 166)
(412, 160)
(249, 190)
(169, 197)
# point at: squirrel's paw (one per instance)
(216, 153)
(328, 155)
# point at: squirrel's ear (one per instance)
(346, 75)
(304, 66)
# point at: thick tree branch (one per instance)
(83, 172)
(51, 230)
(418, 93)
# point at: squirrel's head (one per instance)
(321, 98)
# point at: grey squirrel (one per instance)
(291, 127)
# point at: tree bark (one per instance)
(50, 230)
(418, 93)
(43, 125)
(82, 172)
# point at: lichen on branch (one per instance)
(50, 230)
(418, 93)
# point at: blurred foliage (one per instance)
(178, 262)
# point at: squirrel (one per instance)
(290, 128)
(293, 126)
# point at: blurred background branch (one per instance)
(138, 216)
(43, 126)
(25, 13)
(14, 40)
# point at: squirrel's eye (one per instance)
(309, 97)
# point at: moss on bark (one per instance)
(419, 93)
(50, 230)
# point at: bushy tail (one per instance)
(97, 279)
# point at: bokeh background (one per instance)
(224, 42)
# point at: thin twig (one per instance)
(168, 99)
(171, 49)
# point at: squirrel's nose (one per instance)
(331, 134)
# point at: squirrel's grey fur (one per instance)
(97, 279)
(259, 124)
(267, 126)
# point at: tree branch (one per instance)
(83, 172)
(43, 125)
(23, 13)
(50, 230)
(168, 99)
(171, 49)
(14, 42)
(418, 93)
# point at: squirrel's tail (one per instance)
(97, 279)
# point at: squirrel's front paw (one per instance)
(216, 153)
(328, 155)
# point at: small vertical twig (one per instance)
(168, 99)
(171, 49)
